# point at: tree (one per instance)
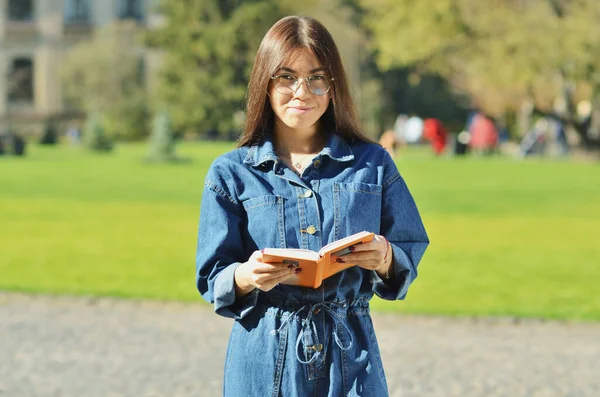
(382, 94)
(162, 143)
(103, 75)
(94, 137)
(49, 135)
(207, 49)
(502, 53)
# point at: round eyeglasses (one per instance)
(288, 83)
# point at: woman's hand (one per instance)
(374, 255)
(256, 274)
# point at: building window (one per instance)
(20, 81)
(130, 9)
(20, 10)
(77, 11)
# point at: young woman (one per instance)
(303, 176)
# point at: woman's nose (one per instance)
(302, 88)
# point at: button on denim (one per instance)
(294, 341)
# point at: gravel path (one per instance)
(78, 347)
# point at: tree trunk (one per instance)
(525, 116)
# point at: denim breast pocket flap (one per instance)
(266, 224)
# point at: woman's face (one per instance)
(302, 109)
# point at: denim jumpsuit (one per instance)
(295, 341)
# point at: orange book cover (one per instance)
(316, 266)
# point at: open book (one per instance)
(316, 266)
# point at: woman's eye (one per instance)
(287, 77)
(317, 78)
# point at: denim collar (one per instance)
(336, 148)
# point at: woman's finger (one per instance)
(379, 243)
(263, 267)
(266, 281)
(357, 256)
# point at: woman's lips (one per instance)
(300, 109)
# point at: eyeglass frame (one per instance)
(299, 81)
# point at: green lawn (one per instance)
(508, 237)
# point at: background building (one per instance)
(34, 36)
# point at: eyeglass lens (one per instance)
(288, 84)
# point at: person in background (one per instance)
(436, 134)
(303, 175)
(560, 137)
(484, 135)
(399, 128)
(73, 134)
(413, 129)
(388, 141)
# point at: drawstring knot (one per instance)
(308, 336)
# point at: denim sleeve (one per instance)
(220, 251)
(401, 224)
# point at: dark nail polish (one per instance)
(297, 270)
(351, 248)
(340, 260)
(291, 266)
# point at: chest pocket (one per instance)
(266, 221)
(357, 207)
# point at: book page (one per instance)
(286, 255)
(340, 244)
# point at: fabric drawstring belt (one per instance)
(308, 335)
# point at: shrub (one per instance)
(50, 135)
(94, 137)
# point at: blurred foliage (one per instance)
(49, 134)
(381, 95)
(205, 50)
(502, 53)
(208, 47)
(103, 75)
(513, 58)
(162, 142)
(404, 92)
(94, 136)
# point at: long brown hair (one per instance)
(286, 36)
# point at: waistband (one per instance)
(308, 336)
(356, 306)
